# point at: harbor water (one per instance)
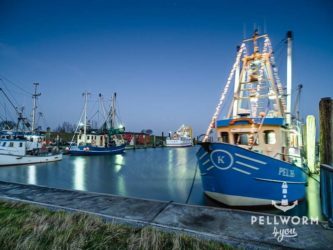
(154, 173)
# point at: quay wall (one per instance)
(242, 229)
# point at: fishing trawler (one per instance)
(104, 141)
(25, 144)
(258, 146)
(15, 149)
(181, 138)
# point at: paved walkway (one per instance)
(233, 227)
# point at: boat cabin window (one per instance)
(245, 139)
(88, 137)
(80, 136)
(21, 144)
(11, 144)
(225, 137)
(4, 144)
(270, 136)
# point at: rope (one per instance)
(14, 84)
(194, 177)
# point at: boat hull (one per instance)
(240, 177)
(90, 150)
(178, 143)
(7, 160)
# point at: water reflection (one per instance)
(119, 162)
(160, 173)
(79, 173)
(313, 198)
(181, 171)
(32, 175)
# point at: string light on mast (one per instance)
(223, 95)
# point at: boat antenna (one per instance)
(34, 107)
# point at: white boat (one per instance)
(16, 151)
(24, 128)
(181, 138)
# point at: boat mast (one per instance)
(113, 111)
(235, 107)
(85, 116)
(289, 76)
(34, 108)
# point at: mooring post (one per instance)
(154, 141)
(326, 157)
(326, 131)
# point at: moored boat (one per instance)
(258, 149)
(181, 138)
(104, 141)
(18, 151)
(24, 143)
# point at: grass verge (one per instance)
(30, 227)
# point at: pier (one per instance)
(237, 228)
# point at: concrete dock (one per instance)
(240, 229)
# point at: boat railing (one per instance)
(287, 155)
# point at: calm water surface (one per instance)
(155, 173)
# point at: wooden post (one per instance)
(326, 157)
(154, 141)
(326, 131)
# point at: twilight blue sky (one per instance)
(167, 60)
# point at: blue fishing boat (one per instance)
(256, 155)
(107, 140)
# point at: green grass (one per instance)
(30, 227)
